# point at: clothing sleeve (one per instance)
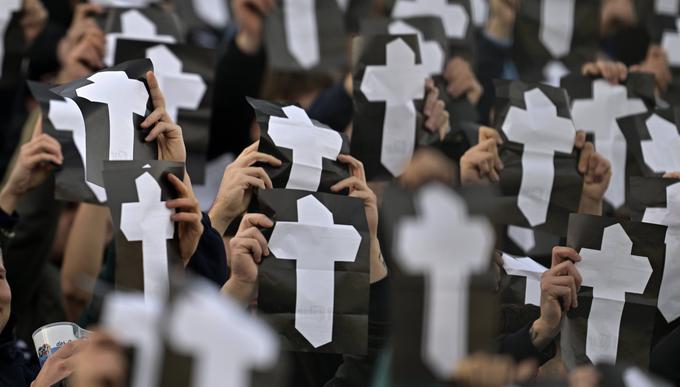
(333, 107)
(519, 346)
(493, 56)
(663, 360)
(237, 76)
(358, 370)
(210, 259)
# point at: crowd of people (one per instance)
(57, 257)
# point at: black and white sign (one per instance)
(540, 183)
(308, 149)
(96, 119)
(146, 247)
(622, 265)
(654, 139)
(596, 105)
(185, 343)
(8, 11)
(203, 13)
(185, 75)
(314, 285)
(389, 88)
(306, 35)
(441, 255)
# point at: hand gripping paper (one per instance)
(598, 115)
(446, 246)
(316, 243)
(149, 221)
(531, 270)
(612, 272)
(310, 145)
(543, 133)
(397, 83)
(669, 292)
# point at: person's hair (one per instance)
(289, 86)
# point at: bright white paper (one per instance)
(669, 292)
(662, 152)
(598, 115)
(543, 133)
(215, 13)
(667, 7)
(226, 343)
(134, 321)
(612, 272)
(480, 12)
(66, 116)
(454, 16)
(523, 237)
(316, 243)
(553, 72)
(7, 8)
(446, 245)
(557, 26)
(181, 90)
(302, 33)
(123, 97)
(343, 4)
(134, 26)
(430, 50)
(149, 221)
(531, 270)
(397, 83)
(124, 3)
(310, 145)
(671, 43)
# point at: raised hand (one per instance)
(613, 72)
(164, 130)
(249, 16)
(596, 172)
(462, 80)
(188, 217)
(437, 118)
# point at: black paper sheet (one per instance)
(639, 311)
(119, 177)
(13, 42)
(409, 291)
(369, 116)
(165, 23)
(636, 131)
(277, 277)
(332, 172)
(195, 123)
(648, 192)
(330, 27)
(70, 179)
(567, 182)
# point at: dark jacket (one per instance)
(17, 367)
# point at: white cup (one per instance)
(49, 338)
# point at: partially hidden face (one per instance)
(5, 296)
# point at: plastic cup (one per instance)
(49, 338)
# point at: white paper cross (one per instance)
(134, 26)
(612, 272)
(432, 53)
(398, 84)
(543, 133)
(215, 13)
(181, 90)
(671, 43)
(7, 8)
(302, 35)
(66, 116)
(454, 16)
(669, 293)
(222, 357)
(557, 26)
(531, 270)
(149, 221)
(446, 245)
(667, 7)
(662, 152)
(316, 243)
(124, 97)
(598, 115)
(310, 145)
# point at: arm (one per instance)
(83, 256)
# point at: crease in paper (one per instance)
(531, 270)
(66, 116)
(315, 242)
(149, 221)
(123, 97)
(662, 152)
(135, 26)
(454, 16)
(446, 245)
(612, 272)
(398, 84)
(302, 31)
(669, 292)
(310, 145)
(598, 115)
(542, 132)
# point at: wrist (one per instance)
(499, 29)
(542, 333)
(8, 200)
(590, 206)
(240, 290)
(219, 219)
(248, 43)
(378, 267)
